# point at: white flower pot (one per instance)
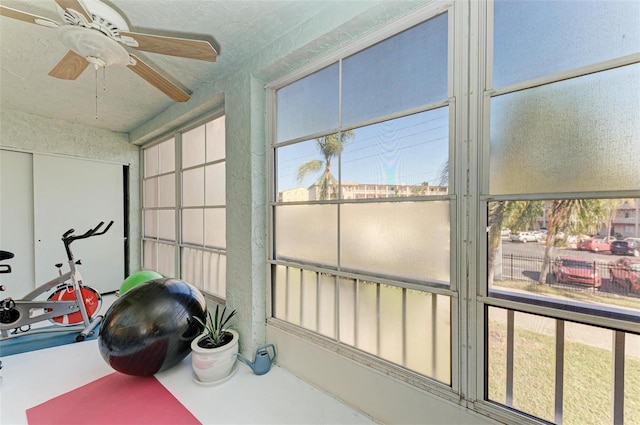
(211, 365)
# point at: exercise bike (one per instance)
(71, 305)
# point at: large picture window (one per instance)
(559, 302)
(362, 207)
(184, 207)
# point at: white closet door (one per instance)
(16, 221)
(78, 194)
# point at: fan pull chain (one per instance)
(96, 92)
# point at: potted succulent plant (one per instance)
(213, 352)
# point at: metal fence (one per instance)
(527, 268)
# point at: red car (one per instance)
(576, 270)
(625, 273)
(594, 244)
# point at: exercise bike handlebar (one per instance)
(69, 237)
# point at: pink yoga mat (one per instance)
(115, 399)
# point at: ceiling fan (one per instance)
(96, 34)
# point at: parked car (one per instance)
(576, 270)
(625, 273)
(540, 235)
(625, 247)
(523, 237)
(594, 244)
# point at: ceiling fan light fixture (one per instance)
(93, 44)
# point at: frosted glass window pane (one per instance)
(442, 338)
(279, 292)
(215, 226)
(294, 288)
(149, 255)
(327, 305)
(192, 226)
(347, 310)
(571, 136)
(309, 300)
(531, 38)
(402, 157)
(150, 192)
(151, 161)
(215, 134)
(299, 167)
(150, 223)
(215, 185)
(309, 105)
(421, 313)
(192, 266)
(391, 325)
(167, 154)
(402, 72)
(193, 187)
(166, 260)
(193, 147)
(167, 225)
(307, 233)
(167, 190)
(215, 273)
(409, 239)
(367, 315)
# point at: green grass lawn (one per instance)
(587, 378)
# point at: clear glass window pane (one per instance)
(215, 184)
(567, 249)
(215, 134)
(363, 227)
(307, 233)
(407, 156)
(167, 225)
(151, 161)
(167, 154)
(571, 136)
(150, 192)
(309, 105)
(167, 190)
(302, 167)
(193, 187)
(402, 72)
(193, 147)
(632, 378)
(192, 226)
(215, 226)
(565, 36)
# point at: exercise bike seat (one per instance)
(5, 255)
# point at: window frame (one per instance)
(178, 245)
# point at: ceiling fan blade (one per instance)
(70, 66)
(181, 47)
(27, 17)
(158, 81)
(75, 5)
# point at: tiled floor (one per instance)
(278, 397)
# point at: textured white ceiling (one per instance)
(237, 30)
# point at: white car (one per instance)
(523, 237)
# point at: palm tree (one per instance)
(329, 146)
